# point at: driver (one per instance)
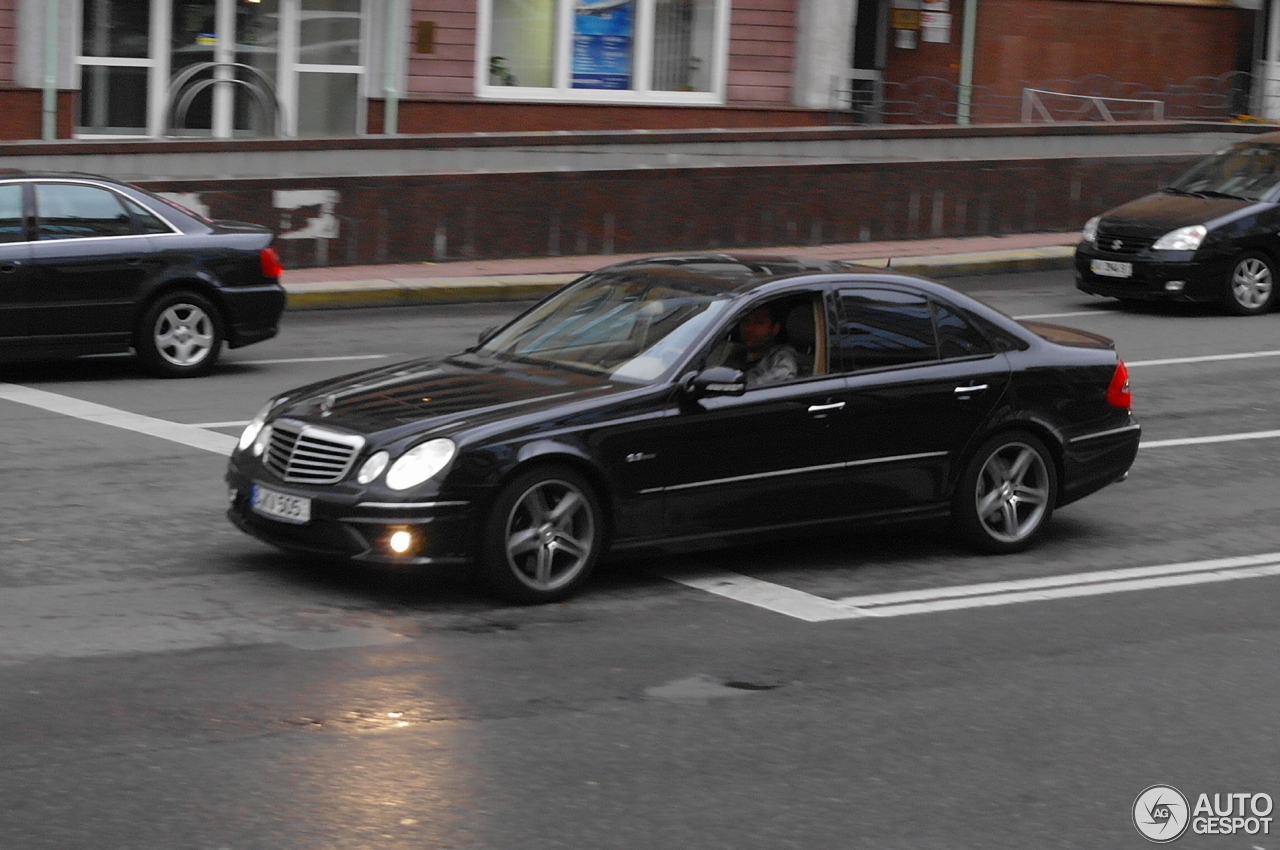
(764, 360)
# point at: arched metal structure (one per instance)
(184, 88)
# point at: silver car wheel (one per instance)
(550, 535)
(184, 334)
(1251, 283)
(1012, 492)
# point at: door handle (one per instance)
(976, 388)
(9, 266)
(823, 408)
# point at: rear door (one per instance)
(89, 262)
(15, 289)
(922, 380)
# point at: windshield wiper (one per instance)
(1174, 190)
(1210, 193)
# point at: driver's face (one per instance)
(758, 329)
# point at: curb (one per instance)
(401, 292)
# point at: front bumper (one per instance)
(344, 526)
(1204, 278)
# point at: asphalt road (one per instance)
(166, 682)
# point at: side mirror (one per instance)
(718, 380)
(487, 334)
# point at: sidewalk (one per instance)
(522, 279)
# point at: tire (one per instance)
(542, 537)
(1007, 493)
(180, 335)
(1251, 284)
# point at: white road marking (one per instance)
(1206, 358)
(813, 609)
(1068, 315)
(310, 359)
(234, 423)
(187, 435)
(1217, 438)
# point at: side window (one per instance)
(69, 211)
(148, 220)
(956, 336)
(782, 340)
(11, 225)
(884, 327)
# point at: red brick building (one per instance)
(146, 68)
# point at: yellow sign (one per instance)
(906, 19)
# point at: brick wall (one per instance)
(397, 219)
(1037, 40)
(450, 70)
(8, 38)
(762, 38)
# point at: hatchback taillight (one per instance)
(1118, 394)
(270, 262)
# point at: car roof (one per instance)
(728, 273)
(20, 174)
(1264, 139)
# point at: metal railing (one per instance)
(184, 88)
(933, 100)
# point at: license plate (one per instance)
(281, 506)
(1110, 268)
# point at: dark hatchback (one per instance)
(90, 265)
(610, 416)
(1212, 235)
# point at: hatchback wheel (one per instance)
(1007, 494)
(543, 536)
(1251, 288)
(180, 335)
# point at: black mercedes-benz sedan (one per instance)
(691, 400)
(90, 265)
(1212, 235)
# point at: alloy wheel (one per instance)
(550, 535)
(184, 334)
(1251, 283)
(1012, 492)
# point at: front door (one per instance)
(15, 289)
(768, 457)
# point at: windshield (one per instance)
(1246, 173)
(629, 325)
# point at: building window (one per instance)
(221, 68)
(612, 51)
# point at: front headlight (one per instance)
(254, 427)
(420, 463)
(372, 468)
(1182, 239)
(1090, 232)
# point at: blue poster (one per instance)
(603, 32)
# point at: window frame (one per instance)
(561, 90)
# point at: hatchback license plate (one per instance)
(1110, 268)
(281, 506)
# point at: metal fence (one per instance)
(934, 100)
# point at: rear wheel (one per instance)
(1007, 494)
(1251, 288)
(543, 536)
(180, 335)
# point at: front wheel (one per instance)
(1251, 288)
(543, 536)
(180, 335)
(1007, 494)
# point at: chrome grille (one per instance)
(304, 454)
(1114, 243)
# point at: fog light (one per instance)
(1175, 285)
(400, 542)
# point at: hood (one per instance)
(436, 393)
(1156, 215)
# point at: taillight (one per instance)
(1118, 394)
(270, 262)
